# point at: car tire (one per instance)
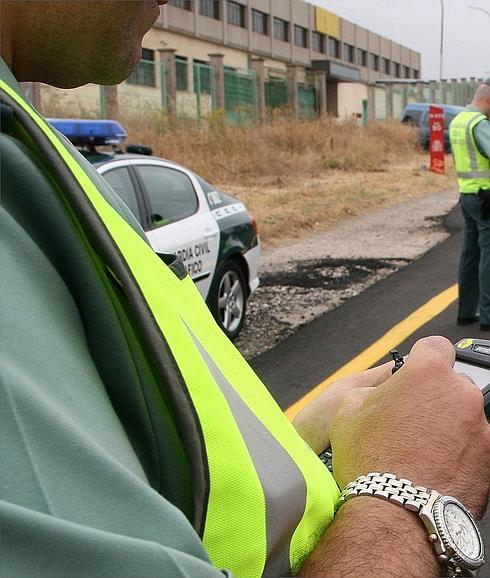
(228, 298)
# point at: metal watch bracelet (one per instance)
(387, 487)
(420, 500)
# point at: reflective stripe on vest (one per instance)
(262, 499)
(472, 167)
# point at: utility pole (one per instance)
(442, 41)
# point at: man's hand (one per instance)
(426, 423)
(313, 423)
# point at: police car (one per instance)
(181, 213)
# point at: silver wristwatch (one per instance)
(451, 527)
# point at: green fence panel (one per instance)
(240, 95)
(204, 88)
(144, 74)
(412, 93)
(276, 94)
(307, 101)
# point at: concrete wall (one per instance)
(135, 100)
(380, 103)
(348, 31)
(187, 104)
(81, 102)
(350, 97)
(397, 104)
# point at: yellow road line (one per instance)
(380, 348)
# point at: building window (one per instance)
(318, 42)
(184, 4)
(181, 73)
(300, 36)
(361, 57)
(348, 53)
(202, 77)
(259, 22)
(406, 72)
(396, 70)
(333, 47)
(373, 61)
(145, 72)
(415, 73)
(281, 29)
(236, 13)
(209, 8)
(386, 66)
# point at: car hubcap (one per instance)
(231, 301)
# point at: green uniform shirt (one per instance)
(77, 489)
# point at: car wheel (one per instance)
(228, 298)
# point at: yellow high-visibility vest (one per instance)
(261, 497)
(472, 167)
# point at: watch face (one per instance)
(462, 531)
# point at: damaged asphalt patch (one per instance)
(307, 277)
(288, 299)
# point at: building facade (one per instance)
(268, 53)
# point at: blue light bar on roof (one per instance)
(90, 132)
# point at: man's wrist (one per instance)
(371, 537)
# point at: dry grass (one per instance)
(296, 176)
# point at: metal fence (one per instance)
(240, 95)
(195, 90)
(307, 101)
(276, 94)
(388, 99)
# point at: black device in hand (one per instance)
(473, 360)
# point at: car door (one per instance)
(180, 219)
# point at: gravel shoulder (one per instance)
(303, 278)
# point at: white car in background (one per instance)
(181, 213)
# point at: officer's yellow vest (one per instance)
(473, 168)
(261, 497)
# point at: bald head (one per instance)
(481, 99)
(71, 43)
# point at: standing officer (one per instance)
(470, 141)
(134, 438)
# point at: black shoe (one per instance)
(467, 320)
(484, 327)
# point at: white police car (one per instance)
(181, 213)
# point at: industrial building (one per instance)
(202, 55)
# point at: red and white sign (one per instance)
(436, 136)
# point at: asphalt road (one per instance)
(315, 351)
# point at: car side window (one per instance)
(121, 182)
(205, 186)
(413, 117)
(170, 193)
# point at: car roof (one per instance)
(99, 159)
(426, 105)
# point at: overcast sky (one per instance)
(417, 25)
